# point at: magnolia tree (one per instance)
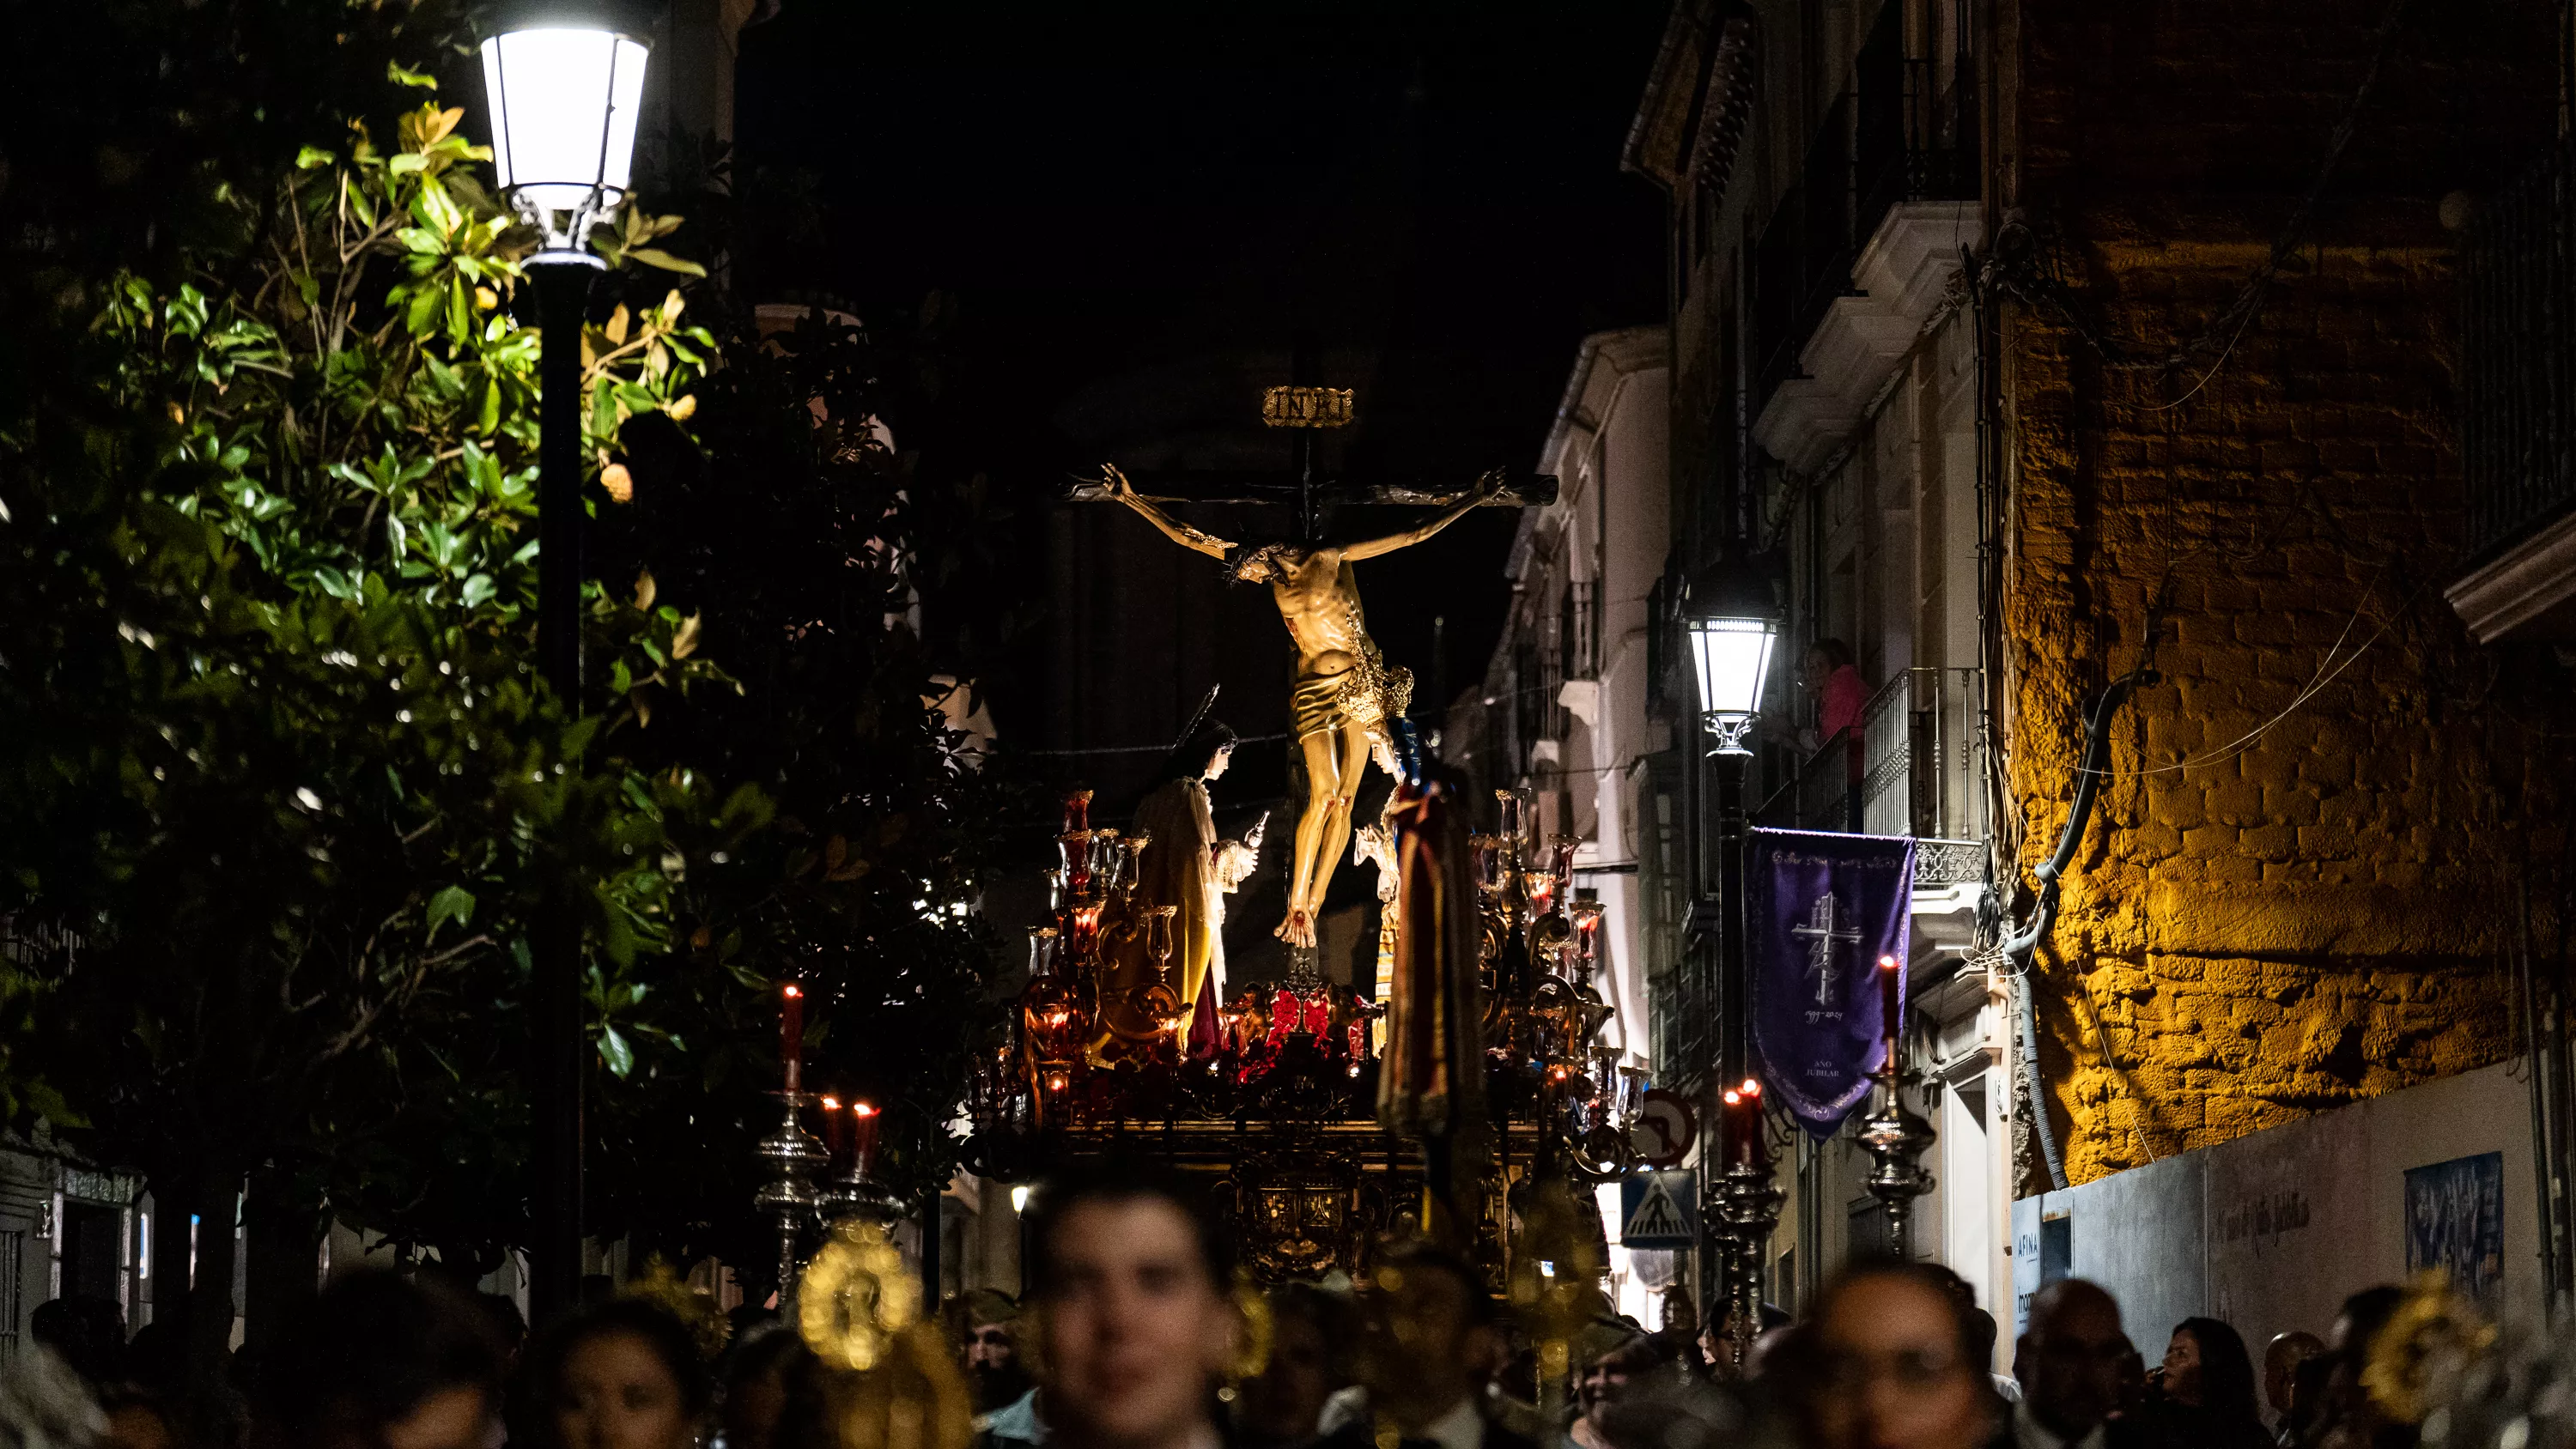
(283, 786)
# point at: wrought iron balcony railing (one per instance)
(1906, 130)
(1820, 794)
(2518, 335)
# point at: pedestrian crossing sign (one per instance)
(1659, 1210)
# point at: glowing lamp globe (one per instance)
(1732, 632)
(565, 98)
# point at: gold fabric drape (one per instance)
(1431, 1077)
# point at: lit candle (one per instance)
(832, 1125)
(863, 1146)
(791, 1033)
(1757, 1149)
(1891, 999)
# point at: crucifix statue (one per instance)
(1823, 934)
(1345, 695)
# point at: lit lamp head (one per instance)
(565, 86)
(1733, 627)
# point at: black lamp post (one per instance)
(1733, 630)
(563, 92)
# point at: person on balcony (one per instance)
(1840, 691)
(1841, 695)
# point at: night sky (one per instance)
(1112, 195)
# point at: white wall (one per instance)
(2272, 1230)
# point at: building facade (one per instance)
(2021, 351)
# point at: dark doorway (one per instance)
(93, 1243)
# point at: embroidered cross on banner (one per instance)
(1822, 932)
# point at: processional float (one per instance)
(1310, 1106)
(1472, 1103)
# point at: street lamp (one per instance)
(564, 95)
(564, 100)
(1732, 633)
(1733, 626)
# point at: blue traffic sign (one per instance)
(1659, 1210)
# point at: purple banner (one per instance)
(1824, 909)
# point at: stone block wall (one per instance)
(2304, 875)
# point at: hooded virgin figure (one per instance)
(1195, 871)
(1344, 695)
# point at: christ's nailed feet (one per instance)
(1297, 930)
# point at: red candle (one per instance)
(791, 1033)
(832, 1125)
(1757, 1148)
(1891, 1000)
(863, 1149)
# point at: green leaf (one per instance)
(656, 257)
(422, 314)
(614, 1051)
(395, 72)
(452, 904)
(311, 157)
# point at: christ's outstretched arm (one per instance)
(1196, 540)
(1486, 487)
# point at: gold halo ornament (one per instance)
(1257, 1329)
(856, 1297)
(663, 1287)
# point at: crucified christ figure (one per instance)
(1344, 696)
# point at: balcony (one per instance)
(1819, 795)
(1909, 770)
(2518, 422)
(1859, 253)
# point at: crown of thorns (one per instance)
(1241, 558)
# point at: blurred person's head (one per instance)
(86, 1333)
(1777, 1351)
(2346, 1414)
(1130, 1279)
(378, 1362)
(988, 1343)
(2281, 1360)
(1610, 1379)
(2206, 1366)
(2309, 1384)
(2360, 1319)
(623, 1374)
(157, 1356)
(755, 1384)
(2133, 1379)
(137, 1418)
(1432, 1331)
(1983, 1323)
(1283, 1403)
(1895, 1363)
(2070, 1359)
(1717, 1340)
(509, 1325)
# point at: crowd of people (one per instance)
(1133, 1333)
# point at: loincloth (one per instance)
(1367, 694)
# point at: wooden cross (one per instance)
(1305, 407)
